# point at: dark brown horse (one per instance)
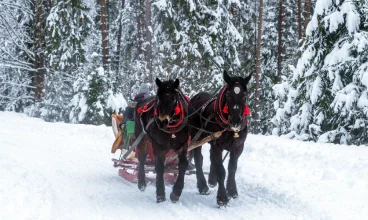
(164, 120)
(226, 112)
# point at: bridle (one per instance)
(180, 109)
(220, 113)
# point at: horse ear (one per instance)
(158, 82)
(247, 79)
(176, 84)
(227, 78)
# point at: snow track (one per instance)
(63, 171)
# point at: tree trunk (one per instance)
(105, 39)
(258, 68)
(308, 7)
(40, 57)
(139, 28)
(119, 40)
(149, 40)
(280, 32)
(299, 19)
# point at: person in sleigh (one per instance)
(119, 122)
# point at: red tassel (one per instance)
(155, 112)
(225, 110)
(140, 110)
(177, 110)
(145, 108)
(246, 110)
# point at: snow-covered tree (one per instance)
(196, 41)
(94, 100)
(16, 56)
(68, 24)
(327, 93)
(67, 27)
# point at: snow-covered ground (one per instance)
(64, 171)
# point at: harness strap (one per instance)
(182, 121)
(139, 138)
(220, 118)
(146, 108)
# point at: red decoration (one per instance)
(140, 110)
(246, 110)
(155, 112)
(225, 110)
(177, 110)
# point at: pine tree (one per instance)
(132, 63)
(278, 52)
(196, 42)
(95, 92)
(327, 94)
(67, 26)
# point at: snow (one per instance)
(335, 20)
(317, 90)
(116, 102)
(353, 18)
(63, 171)
(100, 70)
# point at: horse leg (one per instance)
(233, 165)
(142, 154)
(201, 180)
(179, 184)
(212, 176)
(216, 159)
(160, 169)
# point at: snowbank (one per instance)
(63, 171)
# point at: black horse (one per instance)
(164, 120)
(226, 112)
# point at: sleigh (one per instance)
(128, 160)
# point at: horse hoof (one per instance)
(232, 192)
(212, 185)
(173, 197)
(222, 204)
(160, 199)
(233, 195)
(204, 191)
(142, 186)
(222, 201)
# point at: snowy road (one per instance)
(63, 171)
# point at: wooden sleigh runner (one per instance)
(128, 160)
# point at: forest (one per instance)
(78, 61)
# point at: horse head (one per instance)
(235, 99)
(167, 98)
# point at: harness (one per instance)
(220, 113)
(180, 109)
